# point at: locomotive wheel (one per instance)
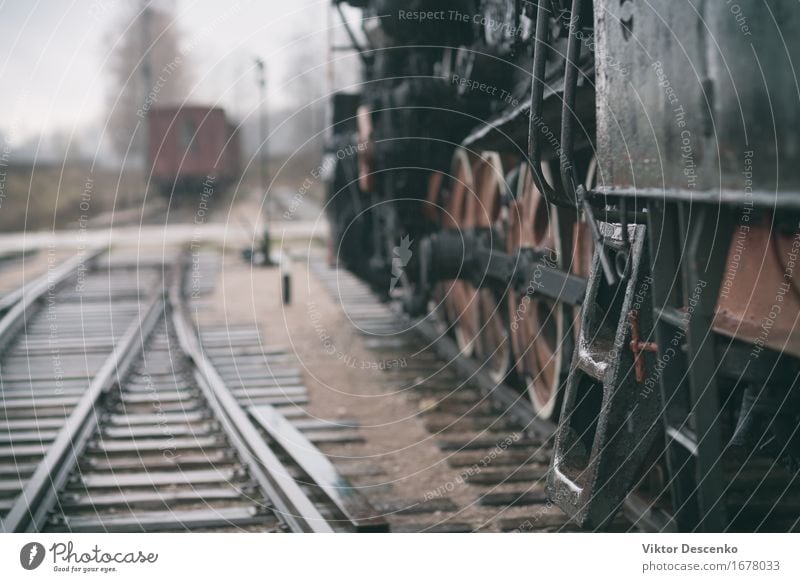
(437, 309)
(492, 348)
(540, 335)
(465, 317)
(461, 303)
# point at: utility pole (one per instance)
(147, 80)
(264, 158)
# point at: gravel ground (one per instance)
(398, 465)
(399, 458)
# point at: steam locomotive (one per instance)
(600, 202)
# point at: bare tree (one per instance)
(147, 68)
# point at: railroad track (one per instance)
(469, 413)
(487, 432)
(152, 436)
(55, 334)
(10, 259)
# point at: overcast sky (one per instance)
(53, 58)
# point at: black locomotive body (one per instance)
(599, 201)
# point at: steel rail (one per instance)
(358, 513)
(32, 291)
(40, 494)
(16, 306)
(290, 502)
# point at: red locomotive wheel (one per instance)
(537, 323)
(461, 303)
(492, 348)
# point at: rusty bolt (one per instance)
(638, 347)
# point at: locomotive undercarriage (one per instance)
(663, 388)
(610, 305)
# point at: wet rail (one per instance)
(31, 292)
(54, 340)
(153, 437)
(470, 413)
(486, 430)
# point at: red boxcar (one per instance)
(190, 146)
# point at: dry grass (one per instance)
(43, 197)
(55, 196)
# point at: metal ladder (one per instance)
(609, 421)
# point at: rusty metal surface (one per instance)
(609, 420)
(669, 110)
(759, 302)
(706, 91)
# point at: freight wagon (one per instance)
(190, 146)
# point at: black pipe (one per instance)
(569, 175)
(351, 35)
(540, 50)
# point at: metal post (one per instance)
(264, 153)
(148, 83)
(286, 278)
